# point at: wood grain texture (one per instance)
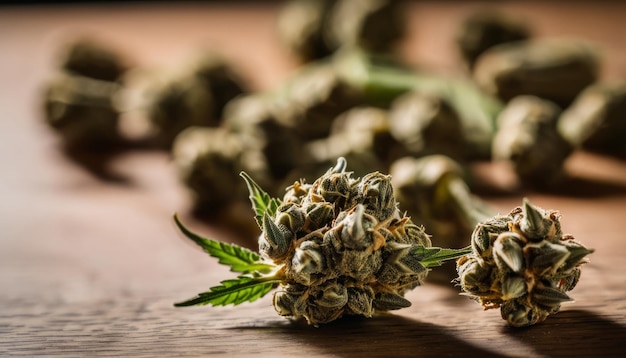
(90, 266)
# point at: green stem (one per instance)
(473, 210)
(382, 82)
(435, 256)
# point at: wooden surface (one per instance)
(91, 267)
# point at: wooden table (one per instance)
(91, 267)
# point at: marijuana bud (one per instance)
(314, 29)
(339, 246)
(80, 102)
(529, 140)
(194, 96)
(90, 58)
(487, 28)
(356, 256)
(553, 69)
(436, 194)
(523, 264)
(427, 124)
(595, 120)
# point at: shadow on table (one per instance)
(570, 186)
(97, 163)
(386, 336)
(97, 159)
(574, 333)
(586, 188)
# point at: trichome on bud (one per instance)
(523, 264)
(339, 246)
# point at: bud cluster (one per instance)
(523, 264)
(344, 247)
(80, 100)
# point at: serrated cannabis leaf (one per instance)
(262, 202)
(234, 291)
(435, 256)
(238, 258)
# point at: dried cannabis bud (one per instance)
(313, 29)
(313, 98)
(353, 253)
(251, 117)
(528, 138)
(301, 25)
(82, 110)
(177, 103)
(437, 195)
(596, 119)
(381, 81)
(339, 246)
(485, 29)
(89, 58)
(80, 102)
(374, 25)
(210, 158)
(362, 132)
(427, 124)
(220, 77)
(523, 264)
(195, 97)
(553, 69)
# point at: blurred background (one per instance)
(94, 96)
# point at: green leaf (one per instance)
(234, 291)
(238, 258)
(262, 202)
(435, 256)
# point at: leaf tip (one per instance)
(248, 179)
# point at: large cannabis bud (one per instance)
(523, 264)
(344, 246)
(339, 246)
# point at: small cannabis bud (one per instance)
(426, 124)
(314, 29)
(339, 246)
(80, 101)
(549, 68)
(487, 28)
(523, 264)
(595, 120)
(528, 139)
(194, 96)
(436, 194)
